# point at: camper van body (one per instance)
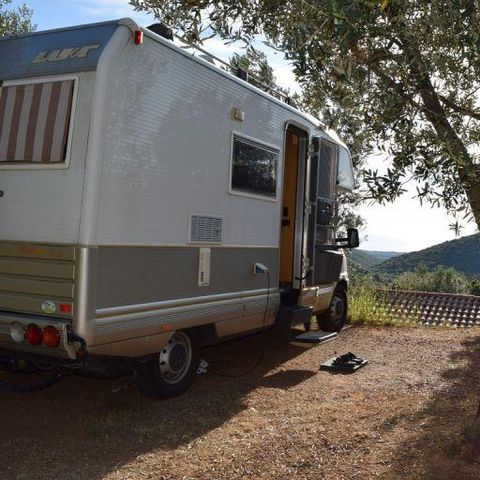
(127, 204)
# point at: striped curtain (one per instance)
(34, 122)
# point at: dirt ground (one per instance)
(405, 415)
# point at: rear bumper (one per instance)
(65, 350)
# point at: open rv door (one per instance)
(322, 264)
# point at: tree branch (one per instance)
(458, 108)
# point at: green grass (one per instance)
(366, 308)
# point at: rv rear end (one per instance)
(88, 187)
(141, 205)
(46, 92)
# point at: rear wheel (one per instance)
(170, 372)
(334, 319)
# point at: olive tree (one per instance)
(16, 21)
(399, 76)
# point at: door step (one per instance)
(295, 315)
(313, 338)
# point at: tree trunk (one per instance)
(473, 195)
(468, 171)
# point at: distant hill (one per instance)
(369, 258)
(463, 254)
(383, 255)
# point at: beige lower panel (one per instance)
(253, 317)
(323, 302)
(226, 328)
(308, 296)
(251, 322)
(317, 297)
(133, 347)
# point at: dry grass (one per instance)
(405, 415)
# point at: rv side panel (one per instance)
(166, 156)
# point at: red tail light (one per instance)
(33, 334)
(51, 337)
(138, 37)
(65, 308)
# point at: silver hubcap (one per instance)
(337, 308)
(175, 358)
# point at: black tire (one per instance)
(170, 372)
(335, 317)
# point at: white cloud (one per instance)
(405, 225)
(216, 46)
(286, 78)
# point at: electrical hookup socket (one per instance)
(259, 268)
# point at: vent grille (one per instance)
(206, 229)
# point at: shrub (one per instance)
(445, 280)
(475, 287)
(364, 306)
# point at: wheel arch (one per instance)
(342, 283)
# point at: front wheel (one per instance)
(335, 317)
(170, 372)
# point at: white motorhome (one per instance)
(151, 203)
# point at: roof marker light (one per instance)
(138, 37)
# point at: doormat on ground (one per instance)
(346, 363)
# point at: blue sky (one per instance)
(402, 226)
(60, 13)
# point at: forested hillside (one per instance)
(463, 254)
(369, 258)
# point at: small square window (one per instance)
(254, 168)
(35, 122)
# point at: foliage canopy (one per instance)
(17, 21)
(400, 76)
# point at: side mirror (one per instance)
(352, 240)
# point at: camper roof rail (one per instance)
(245, 75)
(241, 73)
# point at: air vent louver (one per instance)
(205, 229)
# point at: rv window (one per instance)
(254, 168)
(35, 122)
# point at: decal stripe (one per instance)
(23, 123)
(17, 111)
(7, 120)
(66, 128)
(32, 121)
(51, 117)
(3, 106)
(60, 123)
(41, 123)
